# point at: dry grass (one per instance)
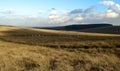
(57, 39)
(19, 51)
(16, 57)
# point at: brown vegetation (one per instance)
(35, 50)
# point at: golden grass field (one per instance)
(28, 49)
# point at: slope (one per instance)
(28, 49)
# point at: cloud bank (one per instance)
(64, 17)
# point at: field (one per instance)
(28, 49)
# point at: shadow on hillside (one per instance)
(91, 28)
(106, 30)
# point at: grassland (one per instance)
(30, 49)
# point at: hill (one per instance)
(29, 49)
(109, 29)
(53, 37)
(78, 27)
(92, 28)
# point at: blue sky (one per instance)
(28, 6)
(54, 12)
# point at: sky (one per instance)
(45, 13)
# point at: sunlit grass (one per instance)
(30, 50)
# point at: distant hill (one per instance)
(78, 27)
(109, 29)
(92, 28)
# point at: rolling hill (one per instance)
(110, 29)
(30, 49)
(92, 28)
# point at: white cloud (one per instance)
(55, 17)
(107, 14)
(78, 18)
(53, 12)
(111, 14)
(112, 5)
(65, 17)
(7, 11)
(33, 17)
(107, 3)
(40, 11)
(58, 18)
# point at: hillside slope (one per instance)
(28, 49)
(54, 38)
(78, 27)
(92, 28)
(107, 30)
